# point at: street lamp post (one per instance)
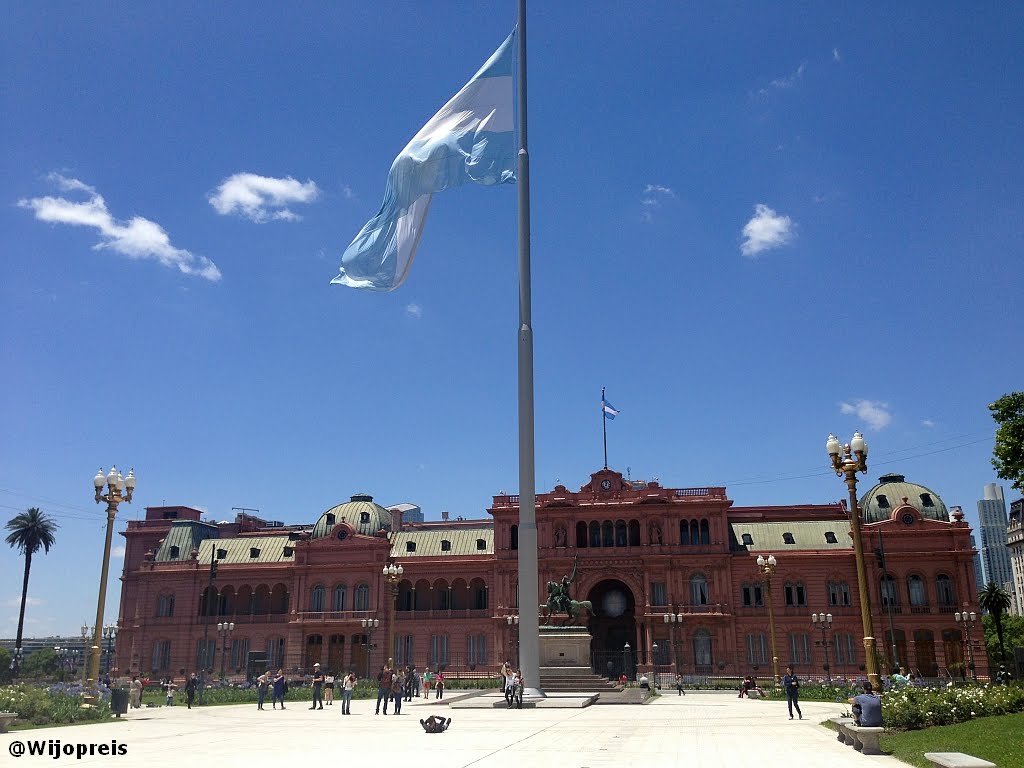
(672, 619)
(823, 621)
(118, 489)
(767, 567)
(392, 575)
(110, 632)
(627, 661)
(369, 625)
(224, 629)
(967, 621)
(847, 461)
(513, 635)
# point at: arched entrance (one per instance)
(612, 627)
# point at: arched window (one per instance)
(917, 592)
(514, 534)
(698, 589)
(338, 598)
(684, 532)
(702, 655)
(705, 532)
(446, 546)
(620, 533)
(363, 597)
(890, 593)
(279, 599)
(634, 533)
(607, 534)
(694, 533)
(208, 602)
(945, 591)
(316, 601)
(581, 535)
(595, 534)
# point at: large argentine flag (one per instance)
(469, 140)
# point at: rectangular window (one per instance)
(204, 660)
(161, 655)
(438, 650)
(795, 595)
(476, 647)
(658, 597)
(275, 652)
(757, 648)
(799, 648)
(752, 596)
(403, 650)
(838, 593)
(239, 653)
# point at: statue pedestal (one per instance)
(564, 647)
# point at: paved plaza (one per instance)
(699, 729)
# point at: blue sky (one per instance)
(753, 225)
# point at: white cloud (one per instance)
(15, 602)
(836, 56)
(766, 230)
(137, 238)
(791, 80)
(347, 192)
(117, 551)
(874, 413)
(927, 423)
(652, 198)
(414, 310)
(262, 198)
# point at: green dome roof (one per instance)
(360, 512)
(878, 503)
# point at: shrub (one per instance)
(59, 703)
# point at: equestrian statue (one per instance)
(560, 601)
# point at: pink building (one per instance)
(670, 572)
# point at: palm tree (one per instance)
(996, 601)
(29, 531)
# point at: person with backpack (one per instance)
(383, 688)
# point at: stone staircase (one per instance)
(574, 680)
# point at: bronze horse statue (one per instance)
(559, 600)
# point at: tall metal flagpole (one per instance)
(604, 429)
(529, 592)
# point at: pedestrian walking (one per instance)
(318, 687)
(439, 685)
(679, 684)
(329, 690)
(169, 689)
(792, 685)
(410, 682)
(135, 692)
(190, 689)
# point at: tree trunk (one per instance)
(24, 598)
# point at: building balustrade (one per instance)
(920, 609)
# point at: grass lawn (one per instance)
(997, 739)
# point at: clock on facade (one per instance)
(606, 484)
(908, 519)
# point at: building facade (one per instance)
(1015, 545)
(670, 572)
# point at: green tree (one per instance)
(996, 602)
(1013, 636)
(5, 665)
(1008, 452)
(42, 662)
(30, 531)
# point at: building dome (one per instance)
(360, 512)
(878, 503)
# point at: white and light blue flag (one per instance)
(470, 140)
(610, 412)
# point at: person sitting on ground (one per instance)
(744, 687)
(755, 687)
(867, 708)
(435, 724)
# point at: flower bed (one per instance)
(58, 703)
(911, 708)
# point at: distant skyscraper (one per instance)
(979, 572)
(1015, 543)
(995, 555)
